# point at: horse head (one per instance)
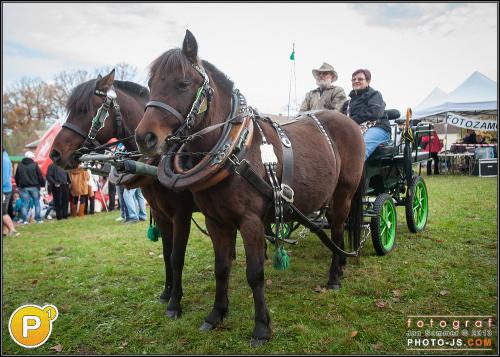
(182, 93)
(97, 101)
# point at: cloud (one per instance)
(410, 48)
(437, 18)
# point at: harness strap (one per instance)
(245, 170)
(325, 134)
(168, 108)
(80, 132)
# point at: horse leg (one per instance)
(166, 229)
(252, 231)
(338, 216)
(223, 240)
(182, 226)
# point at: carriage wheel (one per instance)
(383, 225)
(417, 205)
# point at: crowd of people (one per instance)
(30, 197)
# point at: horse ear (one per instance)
(190, 47)
(104, 83)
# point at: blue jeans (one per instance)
(134, 200)
(123, 206)
(373, 138)
(25, 194)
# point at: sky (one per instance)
(410, 48)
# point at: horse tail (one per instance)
(355, 218)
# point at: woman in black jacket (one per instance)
(366, 107)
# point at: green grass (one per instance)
(105, 279)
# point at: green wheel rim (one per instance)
(420, 205)
(284, 232)
(387, 225)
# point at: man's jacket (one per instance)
(332, 97)
(28, 174)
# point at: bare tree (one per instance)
(123, 71)
(26, 105)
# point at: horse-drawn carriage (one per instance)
(242, 148)
(389, 182)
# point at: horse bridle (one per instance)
(99, 120)
(203, 93)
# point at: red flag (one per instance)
(43, 149)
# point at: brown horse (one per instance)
(327, 173)
(171, 210)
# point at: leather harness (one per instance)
(227, 157)
(99, 120)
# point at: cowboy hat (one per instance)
(325, 67)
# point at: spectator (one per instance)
(123, 206)
(135, 205)
(434, 146)
(470, 137)
(93, 187)
(10, 229)
(59, 186)
(18, 202)
(326, 96)
(79, 189)
(29, 179)
(111, 195)
(480, 139)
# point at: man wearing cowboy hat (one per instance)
(326, 96)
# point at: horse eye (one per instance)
(183, 84)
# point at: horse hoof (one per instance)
(257, 342)
(333, 287)
(206, 326)
(173, 314)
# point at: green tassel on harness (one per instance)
(280, 259)
(153, 231)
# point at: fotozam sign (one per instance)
(474, 124)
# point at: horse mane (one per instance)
(81, 96)
(172, 59)
(132, 88)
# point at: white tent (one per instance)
(472, 105)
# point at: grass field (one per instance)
(105, 278)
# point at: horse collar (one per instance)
(237, 132)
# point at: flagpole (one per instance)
(292, 58)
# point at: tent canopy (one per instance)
(481, 109)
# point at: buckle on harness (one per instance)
(287, 193)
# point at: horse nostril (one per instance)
(150, 140)
(55, 156)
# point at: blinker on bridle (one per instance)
(199, 106)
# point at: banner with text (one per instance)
(468, 123)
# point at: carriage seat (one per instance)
(387, 149)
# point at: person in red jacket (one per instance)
(433, 145)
